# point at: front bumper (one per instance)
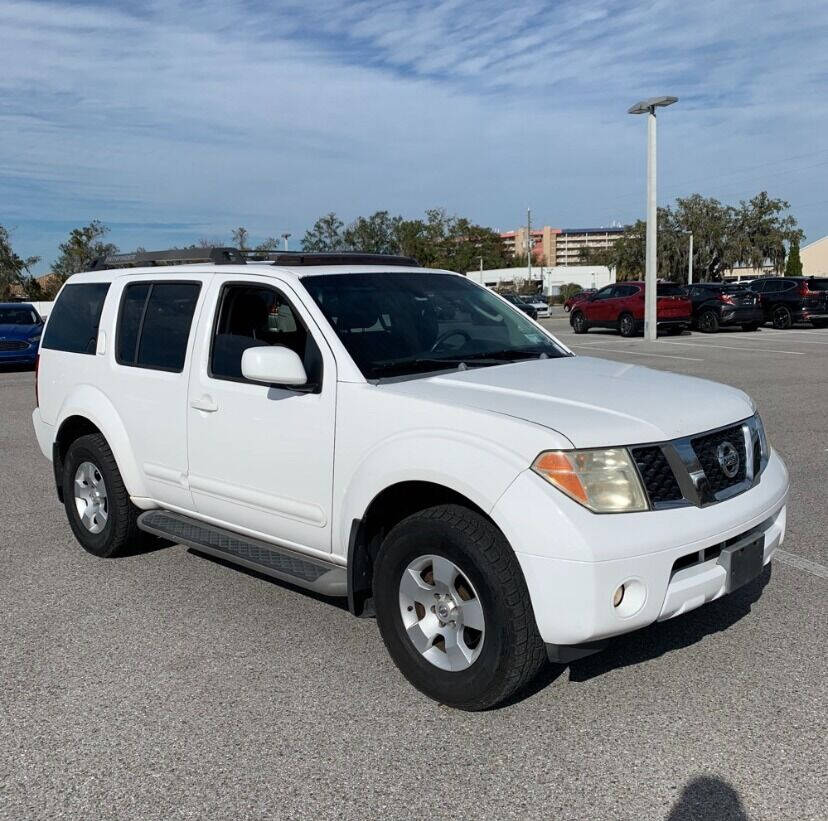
(23, 356)
(574, 560)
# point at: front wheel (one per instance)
(453, 608)
(579, 323)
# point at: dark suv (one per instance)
(786, 300)
(717, 304)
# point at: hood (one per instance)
(18, 331)
(593, 402)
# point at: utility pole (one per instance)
(649, 107)
(528, 245)
(690, 262)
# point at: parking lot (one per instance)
(169, 685)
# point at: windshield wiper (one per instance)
(402, 367)
(513, 354)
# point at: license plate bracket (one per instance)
(743, 562)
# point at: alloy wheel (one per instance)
(441, 613)
(91, 499)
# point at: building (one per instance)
(560, 246)
(814, 257)
(546, 280)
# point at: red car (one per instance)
(621, 306)
(579, 297)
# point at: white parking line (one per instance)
(641, 353)
(731, 347)
(801, 564)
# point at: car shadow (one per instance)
(708, 797)
(339, 603)
(664, 637)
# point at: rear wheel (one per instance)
(782, 319)
(98, 507)
(708, 321)
(453, 608)
(626, 325)
(579, 323)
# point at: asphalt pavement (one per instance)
(171, 686)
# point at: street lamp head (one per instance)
(647, 106)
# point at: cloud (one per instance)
(222, 113)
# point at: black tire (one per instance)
(578, 322)
(120, 534)
(781, 318)
(626, 325)
(512, 652)
(708, 321)
(750, 326)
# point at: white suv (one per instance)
(328, 420)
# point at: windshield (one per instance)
(396, 324)
(18, 316)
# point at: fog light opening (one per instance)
(618, 596)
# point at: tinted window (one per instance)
(253, 316)
(669, 289)
(153, 331)
(73, 324)
(625, 290)
(132, 310)
(817, 284)
(605, 293)
(18, 316)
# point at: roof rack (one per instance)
(175, 256)
(300, 258)
(234, 256)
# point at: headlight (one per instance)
(34, 339)
(604, 480)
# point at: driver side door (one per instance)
(599, 307)
(261, 456)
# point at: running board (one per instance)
(314, 574)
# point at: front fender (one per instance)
(477, 468)
(92, 404)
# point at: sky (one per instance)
(179, 120)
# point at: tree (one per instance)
(240, 237)
(14, 270)
(83, 247)
(793, 264)
(326, 235)
(373, 235)
(760, 232)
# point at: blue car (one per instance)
(20, 329)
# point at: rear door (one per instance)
(150, 368)
(261, 456)
(671, 303)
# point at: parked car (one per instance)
(717, 304)
(522, 305)
(621, 306)
(580, 296)
(313, 418)
(539, 303)
(20, 328)
(786, 300)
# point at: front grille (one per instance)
(8, 345)
(657, 475)
(706, 448)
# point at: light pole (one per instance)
(648, 107)
(690, 261)
(286, 237)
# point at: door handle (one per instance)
(206, 404)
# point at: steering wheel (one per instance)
(447, 335)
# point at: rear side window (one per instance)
(73, 324)
(154, 324)
(666, 289)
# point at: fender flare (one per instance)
(91, 403)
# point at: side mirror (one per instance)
(274, 365)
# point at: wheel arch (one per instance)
(88, 411)
(388, 507)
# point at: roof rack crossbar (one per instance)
(301, 258)
(174, 256)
